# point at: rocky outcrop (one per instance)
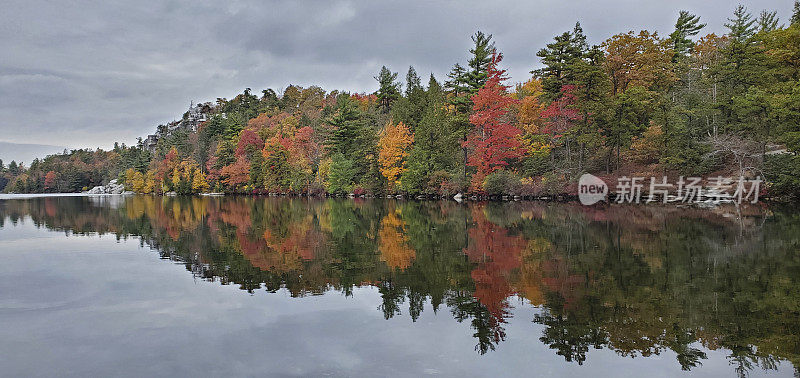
(112, 188)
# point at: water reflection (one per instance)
(636, 280)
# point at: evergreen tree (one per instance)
(688, 25)
(465, 82)
(742, 66)
(13, 168)
(408, 109)
(413, 82)
(352, 137)
(627, 117)
(456, 82)
(767, 21)
(591, 97)
(389, 89)
(559, 58)
(741, 27)
(796, 13)
(479, 61)
(436, 145)
(346, 129)
(434, 91)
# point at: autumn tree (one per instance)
(237, 174)
(199, 182)
(50, 181)
(394, 143)
(494, 141)
(466, 82)
(247, 166)
(562, 116)
(277, 167)
(638, 60)
(187, 178)
(304, 155)
(532, 124)
(164, 169)
(134, 180)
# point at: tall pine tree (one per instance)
(388, 90)
(559, 58)
(687, 25)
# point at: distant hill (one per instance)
(22, 152)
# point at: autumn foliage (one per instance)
(394, 144)
(494, 141)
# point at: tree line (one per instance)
(639, 102)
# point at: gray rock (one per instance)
(97, 190)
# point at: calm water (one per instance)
(169, 286)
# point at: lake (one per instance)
(244, 286)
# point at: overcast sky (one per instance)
(86, 74)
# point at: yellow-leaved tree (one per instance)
(199, 182)
(134, 180)
(394, 143)
(149, 182)
(529, 114)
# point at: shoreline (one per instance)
(563, 198)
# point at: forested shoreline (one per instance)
(639, 103)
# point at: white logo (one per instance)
(591, 189)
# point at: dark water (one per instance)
(168, 286)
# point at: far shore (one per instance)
(564, 198)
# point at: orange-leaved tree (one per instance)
(50, 180)
(394, 144)
(643, 60)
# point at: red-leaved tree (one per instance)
(249, 144)
(50, 180)
(562, 114)
(493, 141)
(562, 118)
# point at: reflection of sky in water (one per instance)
(89, 305)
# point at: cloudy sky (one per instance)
(86, 74)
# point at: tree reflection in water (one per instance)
(638, 280)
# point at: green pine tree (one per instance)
(389, 89)
(559, 58)
(741, 27)
(767, 21)
(686, 26)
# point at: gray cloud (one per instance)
(86, 74)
